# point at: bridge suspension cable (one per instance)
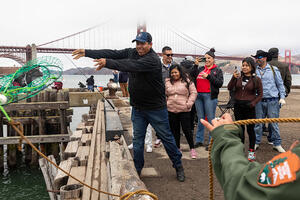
(195, 41)
(74, 34)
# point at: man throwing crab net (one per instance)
(147, 95)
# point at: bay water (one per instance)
(27, 182)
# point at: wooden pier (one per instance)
(45, 119)
(97, 156)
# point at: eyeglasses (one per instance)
(260, 57)
(169, 55)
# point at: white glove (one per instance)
(282, 102)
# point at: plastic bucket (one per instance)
(100, 88)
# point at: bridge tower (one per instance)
(31, 52)
(141, 27)
(288, 57)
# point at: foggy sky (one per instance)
(233, 27)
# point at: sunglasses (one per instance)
(260, 57)
(169, 55)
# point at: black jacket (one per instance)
(215, 79)
(284, 72)
(123, 77)
(90, 81)
(146, 88)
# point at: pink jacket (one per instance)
(179, 98)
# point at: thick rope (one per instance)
(211, 173)
(126, 196)
(241, 122)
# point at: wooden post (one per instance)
(1, 146)
(63, 127)
(11, 150)
(41, 123)
(27, 147)
(34, 155)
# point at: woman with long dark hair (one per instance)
(209, 79)
(181, 95)
(248, 92)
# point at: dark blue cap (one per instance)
(143, 37)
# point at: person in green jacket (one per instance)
(240, 179)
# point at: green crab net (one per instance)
(30, 79)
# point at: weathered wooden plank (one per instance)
(36, 139)
(83, 154)
(83, 99)
(113, 125)
(115, 168)
(52, 169)
(89, 122)
(88, 178)
(48, 112)
(37, 106)
(32, 119)
(47, 177)
(71, 149)
(80, 126)
(85, 139)
(104, 161)
(96, 179)
(124, 177)
(108, 106)
(61, 178)
(89, 129)
(76, 135)
(125, 149)
(78, 172)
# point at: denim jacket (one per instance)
(272, 82)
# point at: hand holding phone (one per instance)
(236, 72)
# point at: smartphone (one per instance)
(237, 69)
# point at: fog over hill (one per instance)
(87, 71)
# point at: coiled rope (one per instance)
(126, 196)
(241, 122)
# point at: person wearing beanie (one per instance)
(209, 80)
(283, 68)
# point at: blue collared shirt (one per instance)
(272, 85)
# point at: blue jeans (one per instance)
(268, 109)
(160, 122)
(90, 88)
(205, 106)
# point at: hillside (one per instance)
(87, 71)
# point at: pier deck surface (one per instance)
(196, 184)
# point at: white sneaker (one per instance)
(271, 143)
(279, 149)
(157, 143)
(256, 146)
(130, 146)
(148, 149)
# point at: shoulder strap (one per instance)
(272, 71)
